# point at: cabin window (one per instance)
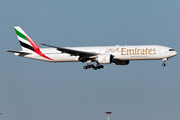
(171, 49)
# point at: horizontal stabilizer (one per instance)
(21, 52)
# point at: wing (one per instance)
(83, 55)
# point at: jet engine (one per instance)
(105, 59)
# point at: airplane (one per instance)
(120, 55)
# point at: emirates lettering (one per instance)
(136, 51)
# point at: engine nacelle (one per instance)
(121, 62)
(105, 59)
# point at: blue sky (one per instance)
(36, 90)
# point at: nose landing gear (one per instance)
(164, 64)
(164, 60)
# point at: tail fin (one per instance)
(26, 42)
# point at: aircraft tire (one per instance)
(85, 67)
(101, 66)
(163, 64)
(98, 67)
(94, 68)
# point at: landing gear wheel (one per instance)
(85, 67)
(94, 68)
(98, 67)
(101, 66)
(163, 64)
(88, 66)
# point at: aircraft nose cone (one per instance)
(175, 53)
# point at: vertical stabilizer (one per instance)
(27, 44)
(24, 39)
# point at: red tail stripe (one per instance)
(36, 49)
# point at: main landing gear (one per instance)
(94, 67)
(164, 60)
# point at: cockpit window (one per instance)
(171, 49)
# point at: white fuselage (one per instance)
(136, 52)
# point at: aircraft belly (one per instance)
(137, 57)
(64, 58)
(54, 57)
